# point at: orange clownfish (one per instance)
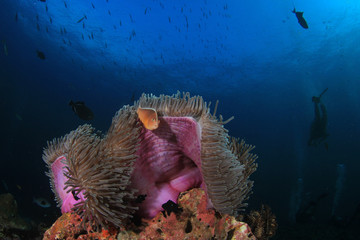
(149, 117)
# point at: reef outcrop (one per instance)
(194, 221)
(137, 166)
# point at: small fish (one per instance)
(46, 8)
(170, 207)
(18, 117)
(65, 4)
(109, 12)
(301, 19)
(5, 185)
(132, 99)
(145, 11)
(140, 198)
(50, 20)
(81, 110)
(148, 117)
(16, 17)
(42, 0)
(37, 26)
(19, 187)
(40, 54)
(5, 47)
(81, 19)
(41, 202)
(131, 19)
(75, 195)
(92, 5)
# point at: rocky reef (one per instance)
(190, 219)
(12, 225)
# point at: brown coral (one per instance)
(262, 222)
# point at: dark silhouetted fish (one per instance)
(140, 198)
(92, 5)
(170, 207)
(132, 97)
(5, 47)
(81, 110)
(75, 195)
(301, 19)
(81, 19)
(42, 0)
(16, 17)
(40, 54)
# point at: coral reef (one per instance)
(102, 178)
(195, 221)
(262, 222)
(12, 226)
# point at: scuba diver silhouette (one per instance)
(318, 131)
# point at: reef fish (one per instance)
(301, 19)
(149, 117)
(170, 207)
(81, 19)
(41, 202)
(81, 110)
(5, 47)
(40, 54)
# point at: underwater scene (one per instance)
(206, 119)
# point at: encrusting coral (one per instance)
(195, 221)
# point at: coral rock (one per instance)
(10, 222)
(194, 222)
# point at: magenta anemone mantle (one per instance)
(132, 170)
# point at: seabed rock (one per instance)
(12, 226)
(195, 221)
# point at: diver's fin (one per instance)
(323, 92)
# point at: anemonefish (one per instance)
(148, 117)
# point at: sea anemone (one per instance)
(134, 170)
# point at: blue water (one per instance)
(252, 56)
